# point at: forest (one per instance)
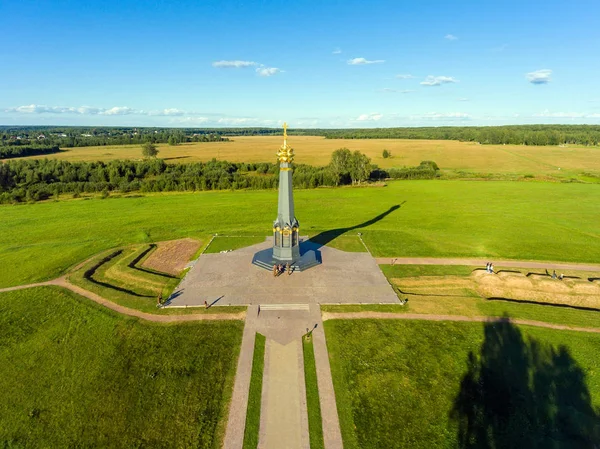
(41, 179)
(498, 135)
(67, 137)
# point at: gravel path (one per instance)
(480, 319)
(62, 282)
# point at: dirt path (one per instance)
(482, 262)
(424, 317)
(62, 282)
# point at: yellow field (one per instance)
(317, 150)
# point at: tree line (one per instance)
(514, 134)
(39, 136)
(67, 137)
(40, 179)
(28, 150)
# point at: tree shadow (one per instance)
(326, 237)
(522, 393)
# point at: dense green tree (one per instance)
(360, 167)
(149, 149)
(340, 164)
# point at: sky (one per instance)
(329, 64)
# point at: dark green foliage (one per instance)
(255, 394)
(75, 374)
(39, 179)
(386, 154)
(69, 137)
(13, 151)
(149, 149)
(514, 134)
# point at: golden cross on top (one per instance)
(284, 129)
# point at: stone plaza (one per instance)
(231, 279)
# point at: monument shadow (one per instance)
(523, 393)
(325, 237)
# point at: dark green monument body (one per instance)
(286, 239)
(286, 244)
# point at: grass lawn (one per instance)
(255, 394)
(409, 271)
(231, 243)
(313, 404)
(516, 220)
(77, 375)
(411, 384)
(471, 306)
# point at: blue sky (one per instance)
(313, 64)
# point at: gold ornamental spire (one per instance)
(285, 153)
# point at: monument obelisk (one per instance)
(286, 240)
(286, 245)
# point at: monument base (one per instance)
(309, 258)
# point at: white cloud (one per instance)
(363, 61)
(462, 99)
(438, 80)
(41, 109)
(388, 89)
(337, 51)
(169, 112)
(369, 117)
(450, 37)
(404, 77)
(119, 110)
(449, 116)
(267, 71)
(406, 91)
(565, 115)
(539, 76)
(88, 110)
(233, 64)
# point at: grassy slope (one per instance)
(75, 374)
(437, 218)
(315, 423)
(255, 394)
(396, 381)
(132, 294)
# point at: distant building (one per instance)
(40, 137)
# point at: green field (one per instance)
(77, 375)
(551, 221)
(252, 428)
(313, 404)
(411, 384)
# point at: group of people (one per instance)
(489, 267)
(281, 268)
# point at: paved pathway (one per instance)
(424, 317)
(284, 419)
(481, 263)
